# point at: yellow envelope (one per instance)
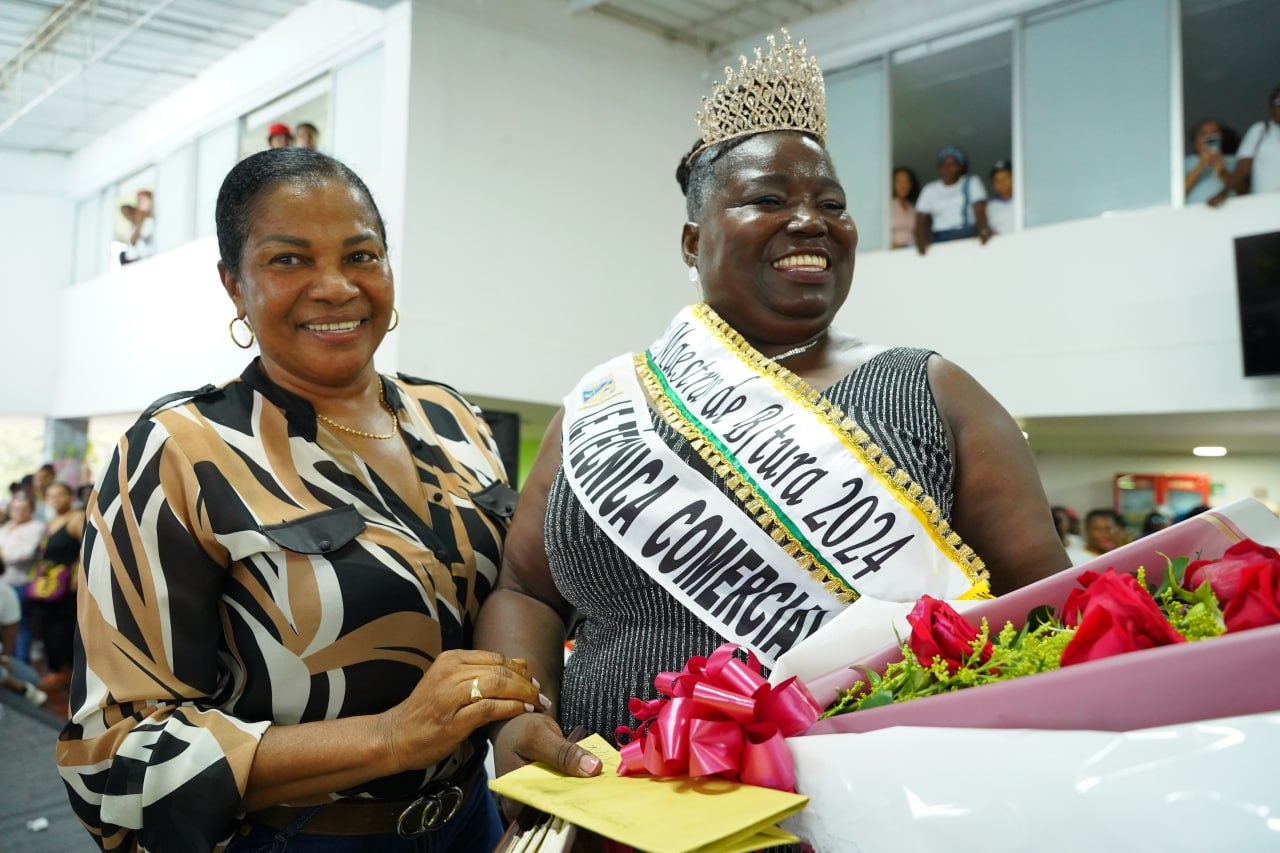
(681, 815)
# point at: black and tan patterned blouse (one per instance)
(241, 568)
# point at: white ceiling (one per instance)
(707, 23)
(70, 70)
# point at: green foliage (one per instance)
(1034, 648)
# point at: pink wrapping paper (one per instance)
(1226, 676)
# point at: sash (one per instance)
(822, 515)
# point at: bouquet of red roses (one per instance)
(1110, 613)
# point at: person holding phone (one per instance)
(1207, 164)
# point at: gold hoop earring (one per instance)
(231, 330)
(395, 318)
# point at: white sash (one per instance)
(824, 514)
(686, 534)
(804, 469)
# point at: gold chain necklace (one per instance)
(382, 398)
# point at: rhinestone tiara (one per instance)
(781, 90)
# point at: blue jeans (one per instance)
(22, 646)
(20, 670)
(474, 829)
(955, 234)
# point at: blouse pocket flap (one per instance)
(319, 533)
(497, 499)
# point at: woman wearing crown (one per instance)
(755, 470)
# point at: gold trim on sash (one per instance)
(853, 437)
(756, 506)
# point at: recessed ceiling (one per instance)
(71, 70)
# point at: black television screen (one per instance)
(1258, 289)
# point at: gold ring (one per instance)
(476, 695)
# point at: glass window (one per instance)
(1096, 111)
(955, 92)
(133, 218)
(307, 104)
(175, 185)
(357, 128)
(1228, 69)
(856, 140)
(215, 155)
(88, 261)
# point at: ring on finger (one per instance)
(476, 695)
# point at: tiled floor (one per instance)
(30, 783)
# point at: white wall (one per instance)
(1133, 313)
(35, 241)
(1084, 482)
(543, 219)
(161, 325)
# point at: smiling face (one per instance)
(315, 284)
(774, 246)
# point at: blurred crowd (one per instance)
(40, 534)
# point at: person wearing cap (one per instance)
(279, 136)
(954, 207)
(1000, 205)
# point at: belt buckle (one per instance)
(431, 811)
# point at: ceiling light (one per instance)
(1209, 451)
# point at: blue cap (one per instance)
(952, 151)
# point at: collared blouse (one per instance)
(243, 568)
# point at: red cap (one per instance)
(279, 129)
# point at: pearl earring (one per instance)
(693, 274)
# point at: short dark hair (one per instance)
(301, 125)
(696, 179)
(253, 176)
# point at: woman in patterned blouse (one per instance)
(282, 573)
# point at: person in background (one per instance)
(40, 481)
(902, 208)
(308, 135)
(15, 673)
(1100, 532)
(1000, 205)
(279, 136)
(1258, 158)
(953, 207)
(1067, 524)
(19, 540)
(141, 240)
(1155, 521)
(1209, 162)
(53, 599)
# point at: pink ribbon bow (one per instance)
(722, 719)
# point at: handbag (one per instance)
(49, 581)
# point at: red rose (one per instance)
(1113, 615)
(1224, 575)
(937, 630)
(1257, 600)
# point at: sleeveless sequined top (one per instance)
(631, 628)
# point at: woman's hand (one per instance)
(536, 737)
(439, 714)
